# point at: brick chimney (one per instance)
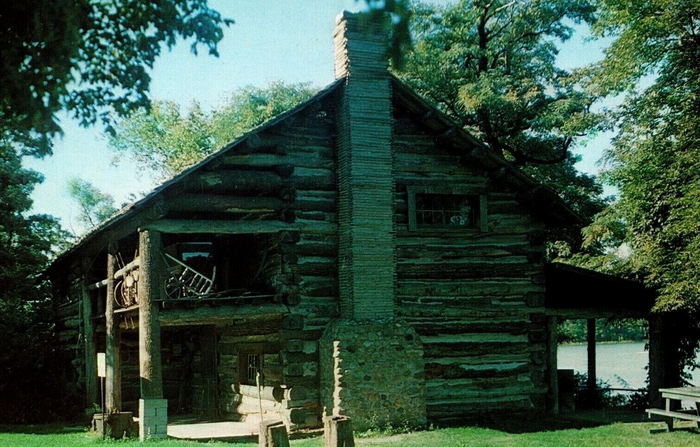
(365, 170)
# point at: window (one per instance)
(249, 365)
(445, 209)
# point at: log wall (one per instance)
(475, 297)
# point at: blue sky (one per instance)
(271, 40)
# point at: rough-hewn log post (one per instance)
(89, 345)
(590, 336)
(113, 385)
(337, 432)
(273, 434)
(553, 376)
(152, 407)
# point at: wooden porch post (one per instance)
(89, 344)
(591, 381)
(152, 407)
(656, 360)
(113, 375)
(553, 378)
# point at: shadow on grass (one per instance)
(43, 429)
(531, 423)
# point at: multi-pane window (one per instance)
(445, 209)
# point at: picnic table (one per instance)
(691, 393)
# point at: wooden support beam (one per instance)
(217, 226)
(590, 336)
(98, 285)
(113, 392)
(149, 292)
(89, 345)
(127, 268)
(552, 375)
(221, 314)
(656, 360)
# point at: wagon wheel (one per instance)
(119, 296)
(174, 288)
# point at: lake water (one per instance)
(622, 365)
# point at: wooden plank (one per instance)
(673, 414)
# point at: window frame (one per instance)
(481, 218)
(244, 364)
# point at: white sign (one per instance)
(101, 364)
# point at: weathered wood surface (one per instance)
(273, 434)
(89, 350)
(337, 432)
(475, 297)
(221, 314)
(150, 291)
(113, 394)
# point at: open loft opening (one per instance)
(220, 266)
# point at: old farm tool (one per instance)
(184, 281)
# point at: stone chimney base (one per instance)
(373, 372)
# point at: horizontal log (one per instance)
(265, 392)
(411, 311)
(217, 226)
(127, 268)
(485, 326)
(319, 159)
(225, 204)
(440, 409)
(467, 287)
(220, 314)
(465, 270)
(98, 285)
(238, 181)
(459, 349)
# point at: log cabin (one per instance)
(360, 254)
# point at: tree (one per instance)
(165, 140)
(654, 158)
(95, 205)
(26, 244)
(490, 65)
(88, 57)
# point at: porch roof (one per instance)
(576, 292)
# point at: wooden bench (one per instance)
(685, 393)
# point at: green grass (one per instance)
(614, 435)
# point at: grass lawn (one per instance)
(614, 435)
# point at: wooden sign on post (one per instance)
(101, 367)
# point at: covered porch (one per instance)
(578, 293)
(186, 324)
